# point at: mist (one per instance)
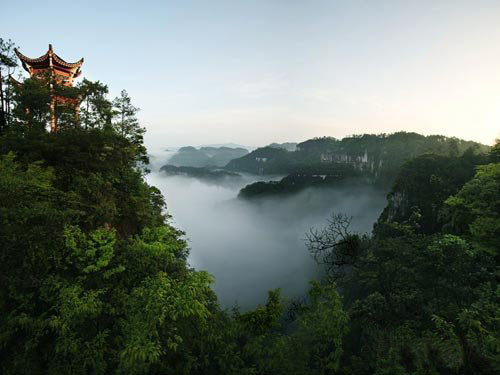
(251, 247)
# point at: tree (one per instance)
(31, 104)
(495, 152)
(334, 247)
(421, 186)
(7, 65)
(127, 125)
(316, 346)
(261, 343)
(475, 210)
(422, 301)
(95, 109)
(67, 305)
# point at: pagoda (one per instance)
(60, 72)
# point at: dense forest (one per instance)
(378, 156)
(366, 159)
(95, 280)
(202, 157)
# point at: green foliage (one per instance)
(317, 343)
(80, 301)
(31, 103)
(95, 109)
(89, 255)
(420, 189)
(384, 154)
(425, 303)
(343, 176)
(127, 125)
(405, 297)
(8, 65)
(7, 59)
(495, 152)
(358, 160)
(475, 210)
(264, 343)
(95, 280)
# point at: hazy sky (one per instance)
(254, 72)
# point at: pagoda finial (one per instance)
(50, 47)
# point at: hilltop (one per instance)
(326, 161)
(206, 156)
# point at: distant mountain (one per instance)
(373, 159)
(205, 156)
(377, 155)
(294, 183)
(230, 145)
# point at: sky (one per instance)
(262, 71)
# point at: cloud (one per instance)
(251, 248)
(261, 87)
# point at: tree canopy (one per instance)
(95, 280)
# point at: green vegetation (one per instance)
(372, 159)
(343, 176)
(422, 292)
(441, 176)
(94, 278)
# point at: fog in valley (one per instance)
(252, 247)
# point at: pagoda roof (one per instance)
(14, 81)
(49, 58)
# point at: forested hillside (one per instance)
(380, 156)
(94, 278)
(205, 156)
(328, 162)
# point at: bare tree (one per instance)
(335, 247)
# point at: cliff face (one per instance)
(378, 157)
(265, 160)
(421, 186)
